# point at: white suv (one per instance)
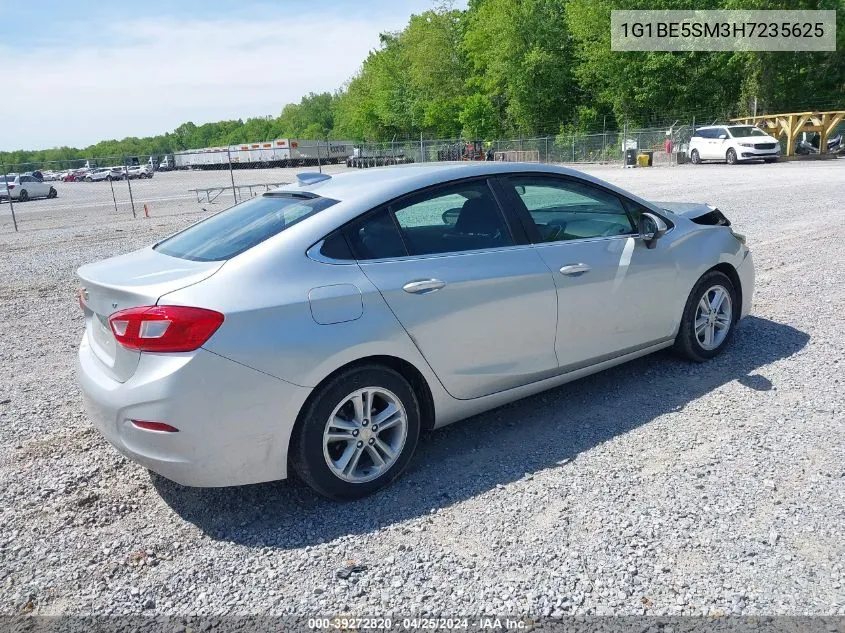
(732, 144)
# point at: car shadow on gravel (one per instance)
(547, 430)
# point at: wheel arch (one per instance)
(405, 369)
(730, 272)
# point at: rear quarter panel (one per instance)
(272, 314)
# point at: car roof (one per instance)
(358, 191)
(390, 182)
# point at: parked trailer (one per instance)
(276, 153)
(368, 157)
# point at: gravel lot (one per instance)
(658, 487)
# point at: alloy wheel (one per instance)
(713, 317)
(365, 434)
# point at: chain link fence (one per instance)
(190, 181)
(601, 147)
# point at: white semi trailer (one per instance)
(276, 153)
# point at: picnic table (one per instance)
(211, 193)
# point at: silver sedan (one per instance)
(319, 328)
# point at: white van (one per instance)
(732, 144)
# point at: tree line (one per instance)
(509, 68)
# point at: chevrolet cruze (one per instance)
(319, 328)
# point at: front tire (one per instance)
(709, 318)
(357, 433)
(695, 157)
(730, 156)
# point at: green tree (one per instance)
(521, 59)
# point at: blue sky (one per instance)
(143, 67)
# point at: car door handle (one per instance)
(423, 286)
(573, 270)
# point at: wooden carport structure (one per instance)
(793, 123)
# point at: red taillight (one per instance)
(154, 426)
(164, 328)
(11, 186)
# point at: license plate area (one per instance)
(104, 344)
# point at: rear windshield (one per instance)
(239, 228)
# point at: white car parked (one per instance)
(25, 187)
(732, 144)
(140, 171)
(107, 173)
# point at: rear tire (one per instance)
(692, 340)
(52, 193)
(730, 157)
(326, 460)
(23, 196)
(694, 157)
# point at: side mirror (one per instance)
(520, 189)
(723, 136)
(652, 228)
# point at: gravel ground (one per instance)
(659, 487)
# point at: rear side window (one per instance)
(376, 236)
(239, 228)
(451, 219)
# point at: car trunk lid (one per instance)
(135, 279)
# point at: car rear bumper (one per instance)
(234, 422)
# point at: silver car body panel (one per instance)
(505, 324)
(490, 327)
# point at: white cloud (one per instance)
(156, 74)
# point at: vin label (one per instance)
(741, 30)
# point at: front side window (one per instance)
(563, 209)
(460, 217)
(239, 228)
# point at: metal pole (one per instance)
(547, 149)
(755, 108)
(604, 138)
(11, 204)
(573, 148)
(422, 150)
(129, 184)
(625, 143)
(114, 199)
(319, 164)
(232, 175)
